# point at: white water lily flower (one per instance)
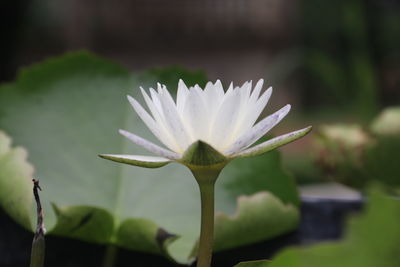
(225, 122)
(204, 130)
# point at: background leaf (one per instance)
(15, 182)
(254, 214)
(264, 263)
(381, 160)
(372, 240)
(67, 110)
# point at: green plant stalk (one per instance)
(206, 177)
(207, 226)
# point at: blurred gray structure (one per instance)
(235, 40)
(206, 21)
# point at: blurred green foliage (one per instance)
(348, 44)
(372, 239)
(355, 156)
(261, 263)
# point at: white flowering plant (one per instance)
(204, 129)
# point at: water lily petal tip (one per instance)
(130, 99)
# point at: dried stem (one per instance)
(38, 244)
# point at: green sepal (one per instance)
(135, 162)
(273, 143)
(202, 154)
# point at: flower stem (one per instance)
(207, 226)
(206, 179)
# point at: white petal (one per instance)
(154, 105)
(174, 121)
(273, 143)
(150, 123)
(150, 103)
(182, 93)
(193, 114)
(156, 101)
(263, 100)
(158, 116)
(250, 110)
(149, 145)
(243, 110)
(253, 111)
(230, 88)
(258, 130)
(138, 160)
(219, 89)
(225, 120)
(167, 120)
(256, 90)
(165, 93)
(246, 90)
(212, 97)
(209, 88)
(159, 88)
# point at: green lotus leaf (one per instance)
(254, 214)
(68, 110)
(15, 182)
(372, 239)
(264, 263)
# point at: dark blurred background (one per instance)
(317, 54)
